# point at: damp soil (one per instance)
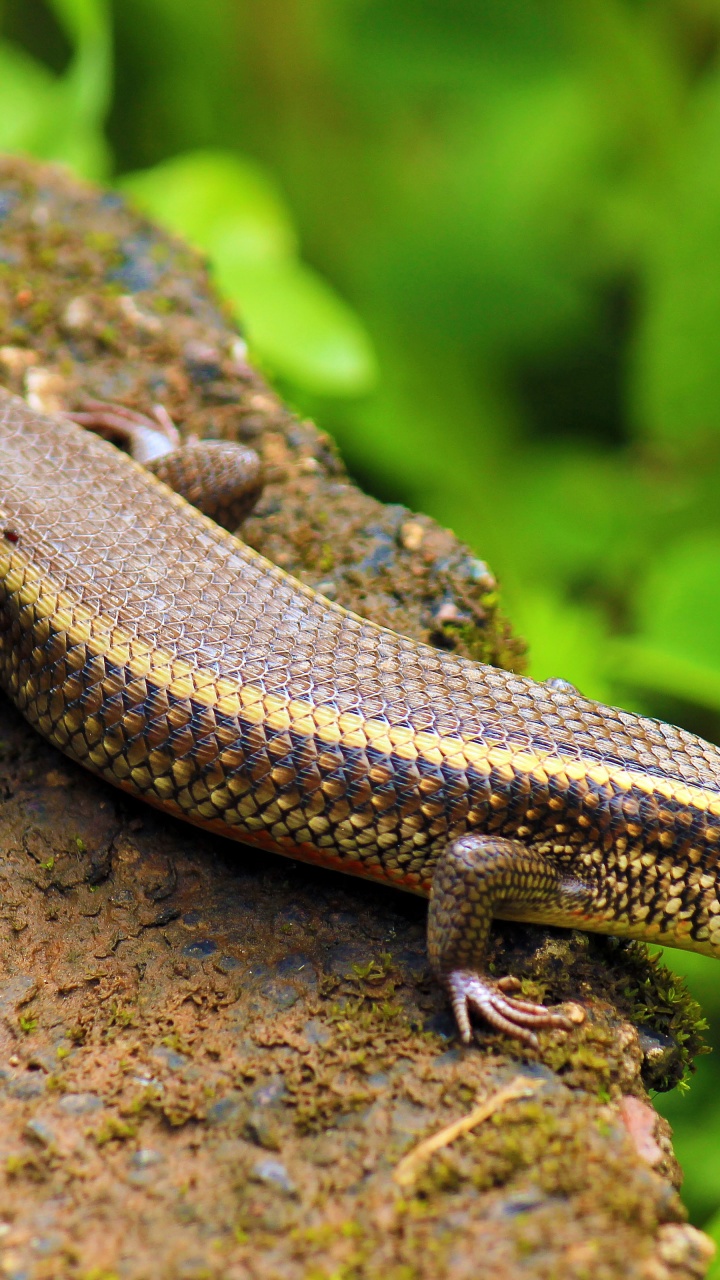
(212, 1061)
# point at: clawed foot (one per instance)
(517, 1018)
(145, 438)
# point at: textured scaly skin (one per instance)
(163, 654)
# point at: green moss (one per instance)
(176, 1042)
(660, 999)
(478, 644)
(113, 1130)
(101, 242)
(119, 1015)
(326, 560)
(588, 1057)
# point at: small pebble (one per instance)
(145, 1158)
(170, 1057)
(315, 1032)
(24, 1088)
(40, 1131)
(79, 1104)
(55, 778)
(261, 1128)
(270, 1093)
(448, 612)
(412, 535)
(46, 1245)
(223, 1110)
(273, 1174)
(379, 1080)
(522, 1202)
(123, 898)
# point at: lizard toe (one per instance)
(469, 992)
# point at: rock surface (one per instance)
(212, 1061)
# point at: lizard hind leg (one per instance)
(220, 478)
(476, 878)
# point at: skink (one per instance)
(162, 653)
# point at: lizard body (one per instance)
(162, 653)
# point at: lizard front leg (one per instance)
(478, 877)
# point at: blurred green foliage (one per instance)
(60, 116)
(229, 208)
(507, 307)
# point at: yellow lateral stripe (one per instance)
(105, 639)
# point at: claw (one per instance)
(509, 983)
(469, 992)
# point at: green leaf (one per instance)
(84, 20)
(300, 326)
(60, 117)
(27, 93)
(84, 90)
(295, 321)
(218, 201)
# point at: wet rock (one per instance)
(138, 269)
(662, 1061)
(441, 1024)
(412, 962)
(344, 960)
(16, 991)
(283, 995)
(299, 967)
(200, 948)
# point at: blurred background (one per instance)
(480, 243)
